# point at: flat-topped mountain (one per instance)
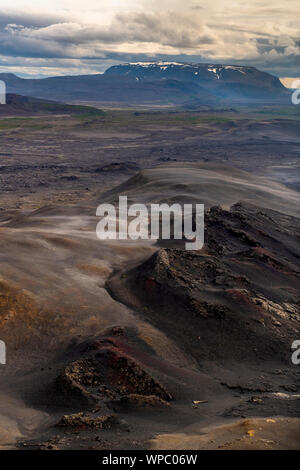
(172, 83)
(222, 81)
(198, 73)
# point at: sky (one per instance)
(67, 37)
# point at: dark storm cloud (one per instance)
(137, 36)
(169, 30)
(31, 20)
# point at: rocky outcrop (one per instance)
(82, 421)
(235, 298)
(105, 372)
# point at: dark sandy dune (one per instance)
(165, 346)
(206, 183)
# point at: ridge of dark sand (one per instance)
(66, 299)
(206, 183)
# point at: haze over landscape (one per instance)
(123, 344)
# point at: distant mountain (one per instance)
(17, 105)
(158, 83)
(222, 81)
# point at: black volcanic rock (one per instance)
(234, 300)
(105, 371)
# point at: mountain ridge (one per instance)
(166, 83)
(18, 105)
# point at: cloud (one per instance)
(30, 19)
(265, 35)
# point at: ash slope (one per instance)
(233, 307)
(239, 293)
(207, 183)
(233, 302)
(179, 342)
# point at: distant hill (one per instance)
(221, 81)
(23, 105)
(158, 83)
